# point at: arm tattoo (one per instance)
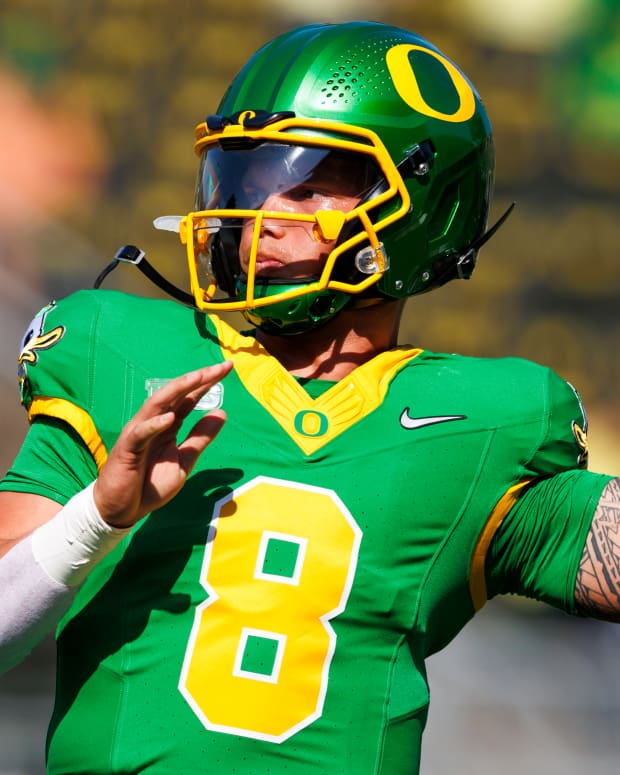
(597, 591)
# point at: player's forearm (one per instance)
(30, 606)
(597, 591)
(38, 576)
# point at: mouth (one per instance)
(264, 262)
(267, 266)
(270, 267)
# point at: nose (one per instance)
(274, 226)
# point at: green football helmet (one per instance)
(374, 106)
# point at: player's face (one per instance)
(291, 249)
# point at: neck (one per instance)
(333, 351)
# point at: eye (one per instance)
(301, 193)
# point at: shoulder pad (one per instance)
(87, 358)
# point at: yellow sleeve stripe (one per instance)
(477, 576)
(81, 422)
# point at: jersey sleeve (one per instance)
(57, 367)
(63, 448)
(53, 461)
(538, 546)
(537, 551)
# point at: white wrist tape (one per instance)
(75, 540)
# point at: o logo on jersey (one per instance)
(397, 60)
(311, 423)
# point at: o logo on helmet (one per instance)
(397, 60)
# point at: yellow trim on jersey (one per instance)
(310, 422)
(477, 576)
(81, 422)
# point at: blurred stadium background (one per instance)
(98, 101)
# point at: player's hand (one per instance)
(148, 466)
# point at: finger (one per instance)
(167, 408)
(199, 438)
(186, 404)
(183, 392)
(141, 433)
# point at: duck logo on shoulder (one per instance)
(36, 338)
(581, 438)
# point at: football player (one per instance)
(268, 606)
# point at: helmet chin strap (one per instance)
(478, 243)
(130, 254)
(462, 266)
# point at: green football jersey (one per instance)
(276, 615)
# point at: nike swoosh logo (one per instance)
(410, 423)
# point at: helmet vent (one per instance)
(343, 85)
(352, 80)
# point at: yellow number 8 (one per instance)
(279, 564)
